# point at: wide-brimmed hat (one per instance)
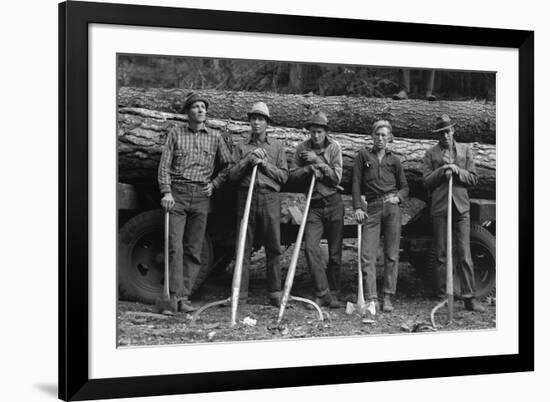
(318, 119)
(261, 109)
(192, 98)
(443, 122)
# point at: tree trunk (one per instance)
(142, 132)
(409, 118)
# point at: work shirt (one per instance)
(272, 176)
(375, 179)
(330, 154)
(437, 183)
(189, 156)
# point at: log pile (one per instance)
(141, 133)
(411, 118)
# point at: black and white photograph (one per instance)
(263, 200)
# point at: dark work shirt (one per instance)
(374, 179)
(272, 176)
(331, 155)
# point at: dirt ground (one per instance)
(139, 324)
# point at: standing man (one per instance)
(379, 176)
(265, 211)
(322, 156)
(440, 162)
(186, 180)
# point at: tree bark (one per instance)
(142, 132)
(475, 120)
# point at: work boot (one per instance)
(166, 307)
(387, 306)
(401, 95)
(327, 300)
(430, 97)
(185, 306)
(473, 305)
(275, 301)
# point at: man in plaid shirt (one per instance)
(186, 180)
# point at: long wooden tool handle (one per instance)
(449, 257)
(360, 294)
(295, 253)
(166, 255)
(237, 273)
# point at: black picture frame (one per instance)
(74, 18)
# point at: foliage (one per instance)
(298, 78)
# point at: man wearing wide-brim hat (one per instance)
(321, 156)
(265, 212)
(187, 178)
(448, 158)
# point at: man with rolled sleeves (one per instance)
(187, 179)
(379, 176)
(265, 212)
(440, 162)
(322, 156)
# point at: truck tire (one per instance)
(483, 250)
(141, 258)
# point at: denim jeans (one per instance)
(325, 216)
(187, 228)
(386, 218)
(462, 257)
(264, 221)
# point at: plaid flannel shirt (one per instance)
(189, 157)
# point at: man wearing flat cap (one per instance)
(321, 156)
(265, 211)
(379, 176)
(440, 162)
(187, 178)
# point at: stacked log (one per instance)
(412, 119)
(141, 133)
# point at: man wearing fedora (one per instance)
(321, 156)
(440, 162)
(186, 178)
(265, 211)
(379, 176)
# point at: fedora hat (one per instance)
(443, 122)
(318, 119)
(192, 98)
(260, 109)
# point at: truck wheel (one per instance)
(483, 250)
(141, 258)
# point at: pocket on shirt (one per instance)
(368, 173)
(181, 159)
(206, 157)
